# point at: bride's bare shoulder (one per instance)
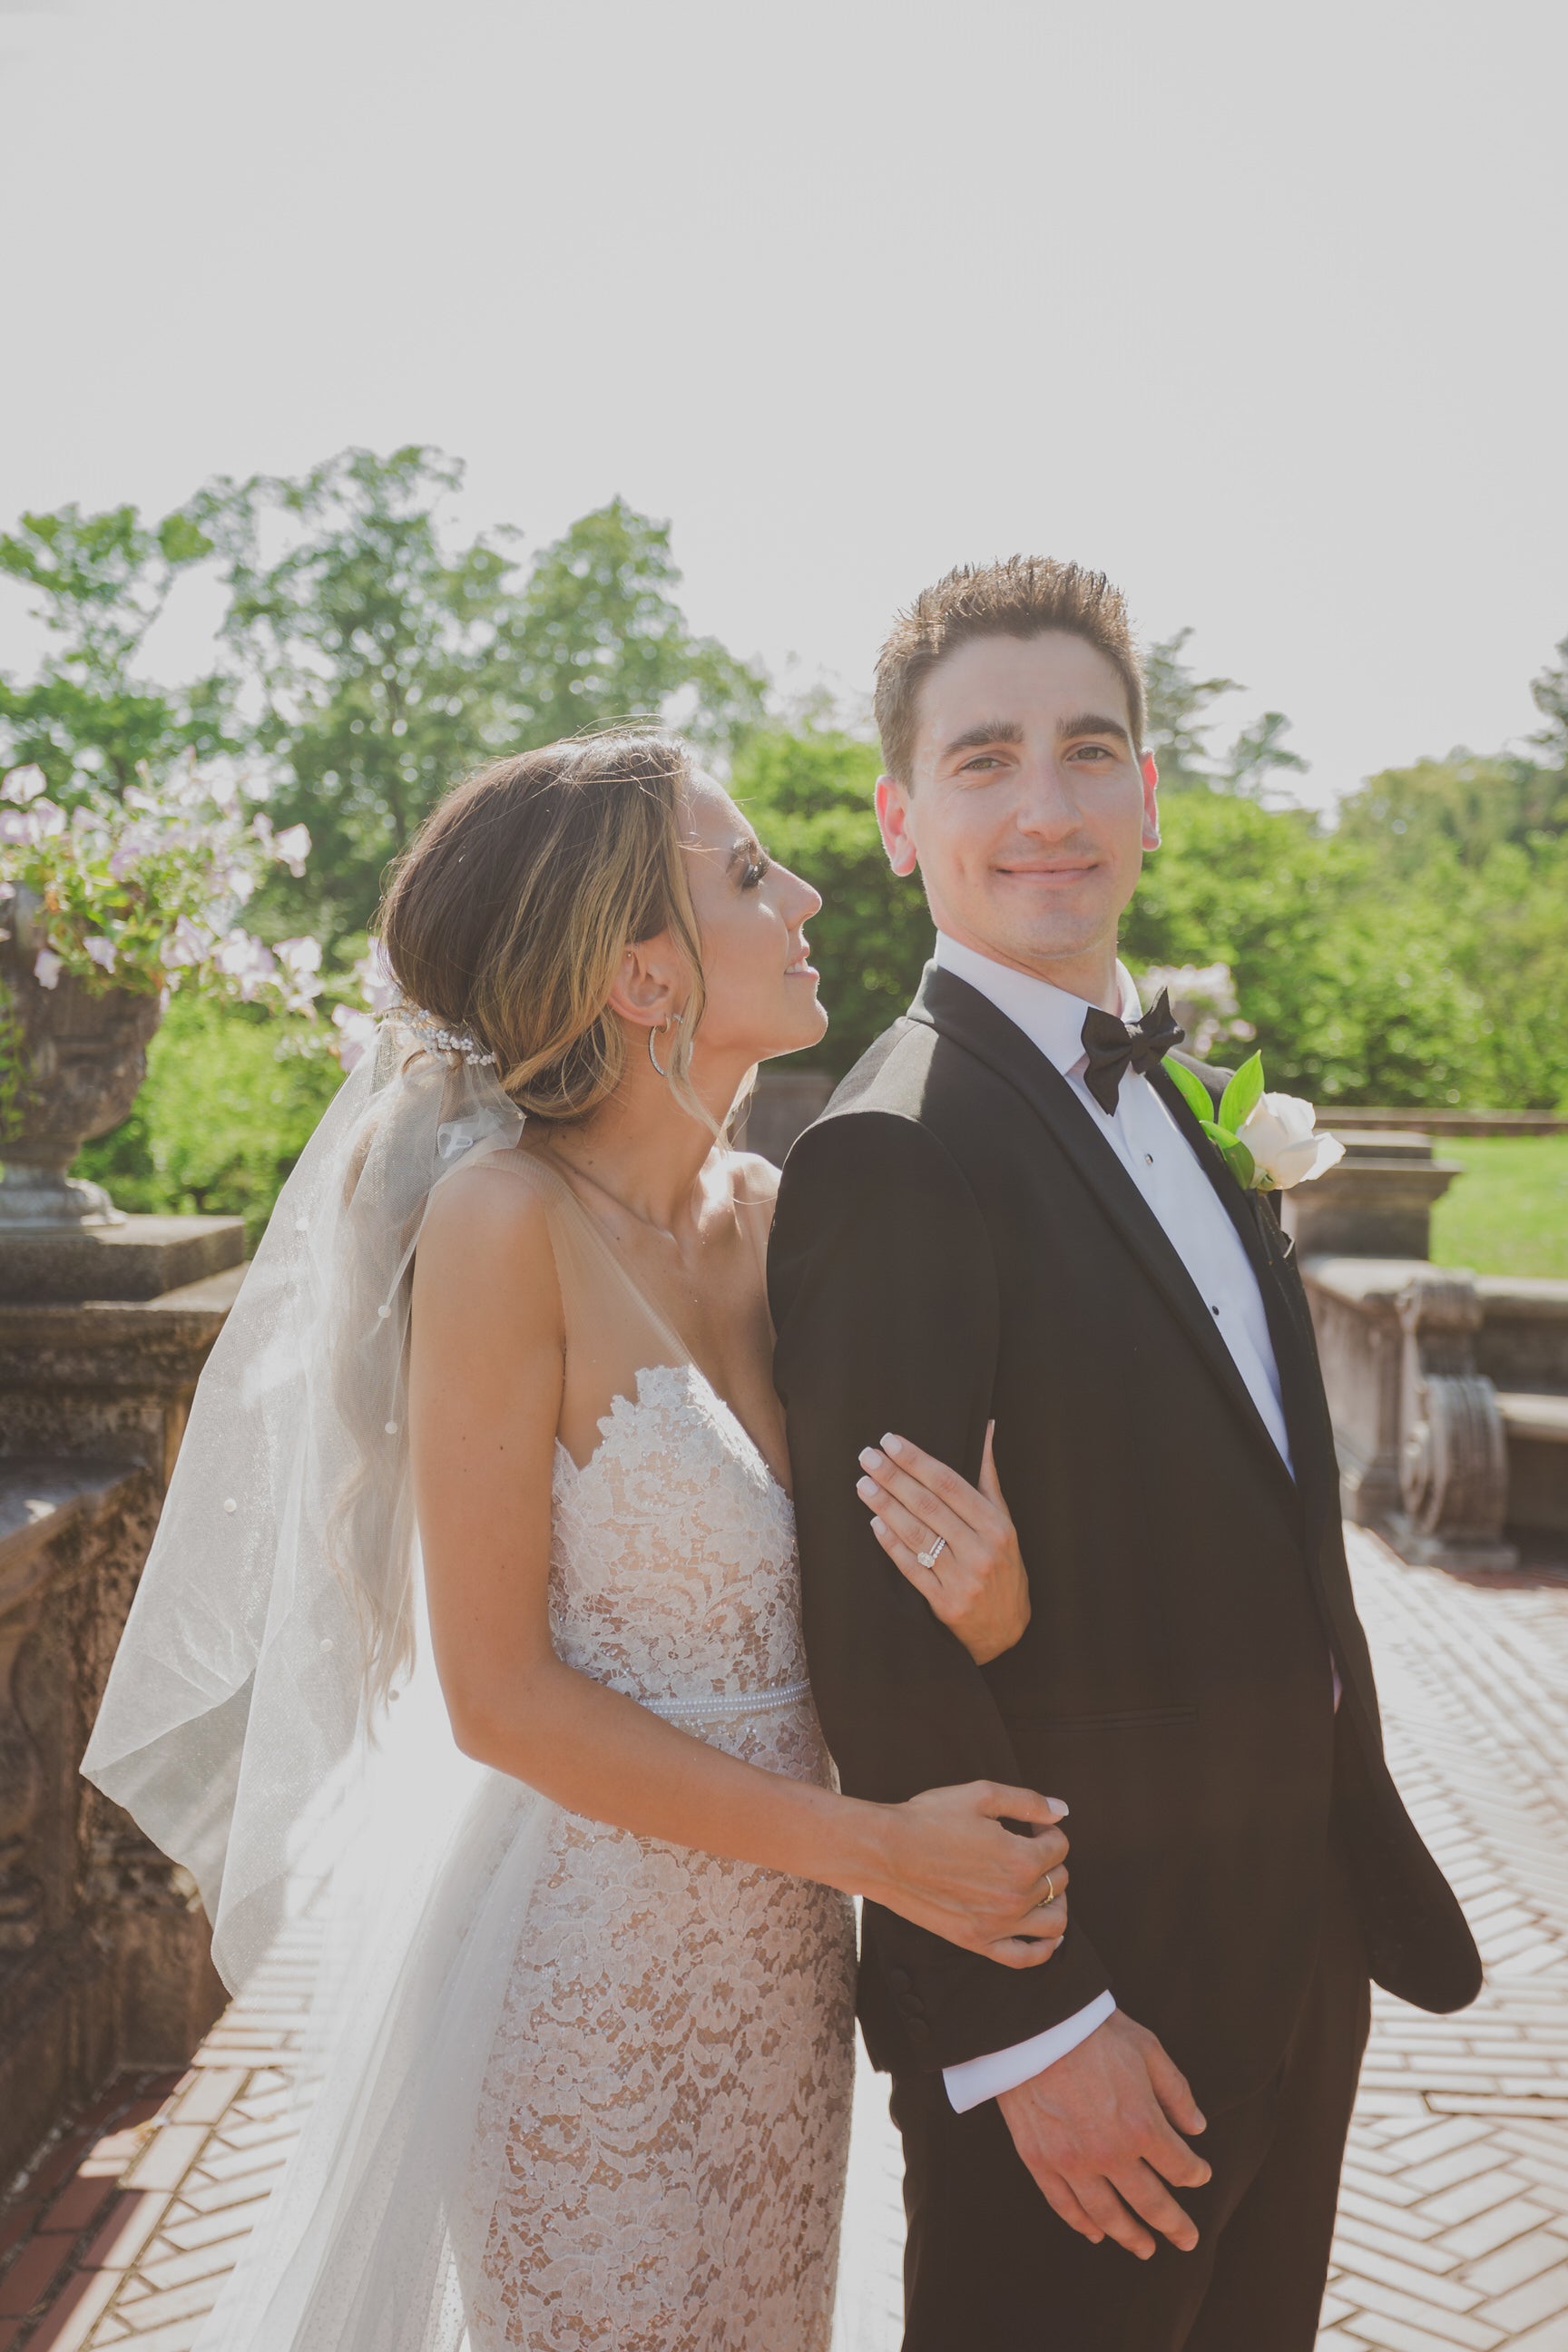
(753, 1186)
(486, 1235)
(752, 1179)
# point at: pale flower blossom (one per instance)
(301, 956)
(250, 964)
(377, 986)
(129, 850)
(101, 951)
(24, 784)
(356, 1035)
(28, 826)
(47, 967)
(188, 943)
(1204, 999)
(301, 960)
(1280, 1132)
(292, 845)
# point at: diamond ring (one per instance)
(929, 1559)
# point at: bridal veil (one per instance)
(272, 1721)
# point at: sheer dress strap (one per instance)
(614, 1330)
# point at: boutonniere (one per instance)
(1268, 1142)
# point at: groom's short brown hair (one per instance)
(1021, 597)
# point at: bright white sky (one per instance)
(1260, 308)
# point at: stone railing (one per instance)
(784, 1103)
(103, 1947)
(1448, 1390)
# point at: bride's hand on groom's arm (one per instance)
(1099, 2130)
(976, 1585)
(950, 1866)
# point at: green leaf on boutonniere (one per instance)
(1233, 1151)
(1240, 1161)
(1243, 1094)
(1194, 1092)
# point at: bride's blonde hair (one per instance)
(509, 912)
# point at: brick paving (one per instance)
(1454, 2218)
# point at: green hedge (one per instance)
(231, 1097)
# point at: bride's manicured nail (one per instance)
(1059, 1810)
(893, 1444)
(877, 1528)
(864, 1488)
(871, 1459)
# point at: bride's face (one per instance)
(761, 989)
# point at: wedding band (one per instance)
(929, 1559)
(1051, 1892)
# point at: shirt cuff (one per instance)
(977, 2079)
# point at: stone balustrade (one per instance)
(1448, 1390)
(103, 1947)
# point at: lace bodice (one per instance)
(672, 1564)
(665, 2118)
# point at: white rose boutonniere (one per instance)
(1268, 1142)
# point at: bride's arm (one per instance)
(486, 1376)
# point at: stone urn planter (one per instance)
(81, 1057)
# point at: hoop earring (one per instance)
(653, 1057)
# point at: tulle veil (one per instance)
(273, 1723)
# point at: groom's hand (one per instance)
(1096, 2131)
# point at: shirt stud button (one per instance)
(1149, 1158)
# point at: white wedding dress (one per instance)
(562, 2086)
(665, 2118)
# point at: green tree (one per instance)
(99, 582)
(1465, 804)
(230, 1100)
(1549, 693)
(597, 635)
(809, 796)
(372, 654)
(1181, 721)
(386, 664)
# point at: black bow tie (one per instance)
(1113, 1048)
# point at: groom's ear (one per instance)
(1151, 775)
(892, 823)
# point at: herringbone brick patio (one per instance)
(1453, 2218)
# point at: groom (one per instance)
(1009, 1213)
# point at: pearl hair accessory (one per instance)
(438, 1039)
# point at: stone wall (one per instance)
(1448, 1390)
(103, 1946)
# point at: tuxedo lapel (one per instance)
(948, 1004)
(1269, 1251)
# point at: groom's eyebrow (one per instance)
(1092, 722)
(989, 730)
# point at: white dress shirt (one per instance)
(1157, 1156)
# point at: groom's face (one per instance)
(1028, 807)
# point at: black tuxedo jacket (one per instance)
(954, 1243)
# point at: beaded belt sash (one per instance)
(765, 1701)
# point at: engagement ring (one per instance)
(929, 1559)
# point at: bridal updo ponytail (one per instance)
(509, 912)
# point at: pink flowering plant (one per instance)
(144, 891)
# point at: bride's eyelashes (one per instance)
(756, 869)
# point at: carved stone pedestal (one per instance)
(1453, 1470)
(103, 1947)
(1377, 1202)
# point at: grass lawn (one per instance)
(1508, 1213)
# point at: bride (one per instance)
(469, 1644)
